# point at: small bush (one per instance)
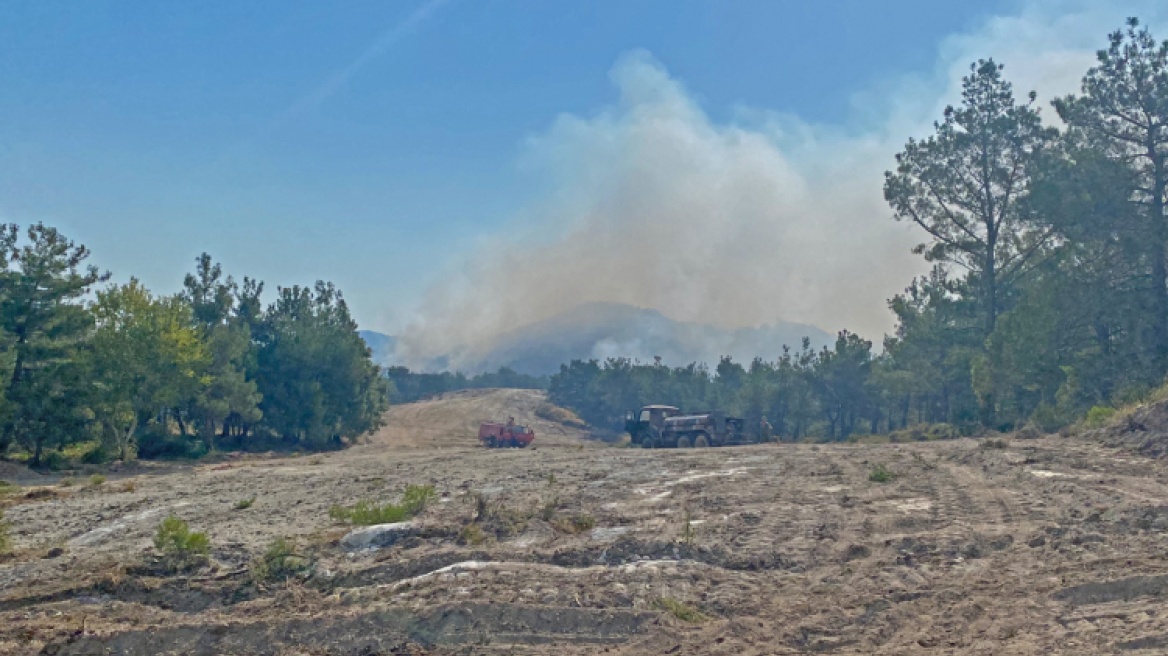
(417, 497)
(367, 513)
(279, 562)
(574, 525)
(681, 611)
(54, 461)
(994, 443)
(881, 474)
(548, 510)
(1098, 415)
(66, 482)
(94, 455)
(1047, 418)
(96, 479)
(129, 486)
(8, 488)
(178, 545)
(244, 504)
(472, 535)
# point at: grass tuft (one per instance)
(881, 474)
(244, 504)
(681, 611)
(367, 513)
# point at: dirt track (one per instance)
(1047, 546)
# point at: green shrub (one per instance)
(66, 482)
(280, 562)
(681, 611)
(1098, 415)
(244, 504)
(367, 513)
(178, 545)
(548, 510)
(881, 474)
(8, 488)
(96, 479)
(994, 443)
(1047, 418)
(54, 461)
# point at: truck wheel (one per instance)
(683, 442)
(646, 442)
(702, 442)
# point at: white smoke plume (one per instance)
(761, 219)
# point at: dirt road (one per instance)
(1056, 545)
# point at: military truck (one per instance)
(664, 426)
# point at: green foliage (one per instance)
(43, 325)
(1098, 415)
(280, 562)
(54, 461)
(409, 386)
(367, 513)
(66, 482)
(681, 611)
(1047, 418)
(179, 547)
(96, 479)
(244, 504)
(318, 384)
(7, 487)
(881, 474)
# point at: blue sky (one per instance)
(279, 137)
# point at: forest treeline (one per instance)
(410, 386)
(1048, 294)
(131, 373)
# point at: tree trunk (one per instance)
(1159, 267)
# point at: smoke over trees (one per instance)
(1048, 294)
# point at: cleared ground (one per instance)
(1056, 545)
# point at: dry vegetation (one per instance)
(999, 546)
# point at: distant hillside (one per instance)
(383, 346)
(601, 330)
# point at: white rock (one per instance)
(378, 536)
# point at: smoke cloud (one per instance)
(762, 219)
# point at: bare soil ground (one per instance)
(1048, 546)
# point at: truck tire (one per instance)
(683, 442)
(702, 442)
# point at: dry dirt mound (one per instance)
(452, 420)
(19, 474)
(1145, 429)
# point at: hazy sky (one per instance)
(396, 148)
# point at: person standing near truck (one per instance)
(764, 431)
